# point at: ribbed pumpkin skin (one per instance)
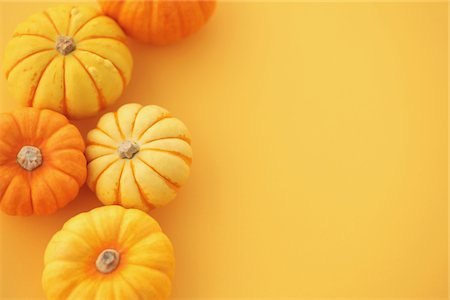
(78, 84)
(146, 264)
(63, 171)
(159, 22)
(152, 177)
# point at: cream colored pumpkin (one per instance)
(70, 59)
(138, 157)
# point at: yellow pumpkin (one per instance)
(138, 157)
(70, 59)
(109, 253)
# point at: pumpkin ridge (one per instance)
(93, 37)
(145, 199)
(103, 155)
(156, 291)
(132, 18)
(115, 291)
(63, 171)
(100, 97)
(167, 116)
(71, 177)
(62, 150)
(119, 228)
(183, 138)
(129, 241)
(134, 120)
(62, 261)
(116, 118)
(122, 75)
(50, 157)
(90, 220)
(143, 241)
(102, 172)
(44, 144)
(38, 139)
(31, 100)
(84, 24)
(170, 183)
(185, 158)
(118, 199)
(10, 155)
(51, 191)
(64, 99)
(90, 162)
(107, 134)
(133, 288)
(202, 10)
(6, 186)
(154, 269)
(68, 289)
(154, 17)
(147, 25)
(101, 145)
(22, 59)
(33, 34)
(51, 21)
(207, 8)
(180, 22)
(19, 129)
(69, 22)
(30, 195)
(79, 237)
(165, 113)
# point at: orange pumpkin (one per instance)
(159, 22)
(42, 164)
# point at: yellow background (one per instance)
(320, 144)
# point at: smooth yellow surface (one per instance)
(320, 141)
(146, 258)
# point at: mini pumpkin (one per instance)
(109, 253)
(42, 164)
(70, 59)
(138, 157)
(159, 22)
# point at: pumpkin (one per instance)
(159, 22)
(109, 253)
(70, 59)
(42, 164)
(138, 157)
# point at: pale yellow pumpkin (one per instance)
(70, 59)
(109, 253)
(138, 157)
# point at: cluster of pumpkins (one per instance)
(71, 62)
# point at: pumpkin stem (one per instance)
(127, 149)
(29, 158)
(107, 261)
(65, 44)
